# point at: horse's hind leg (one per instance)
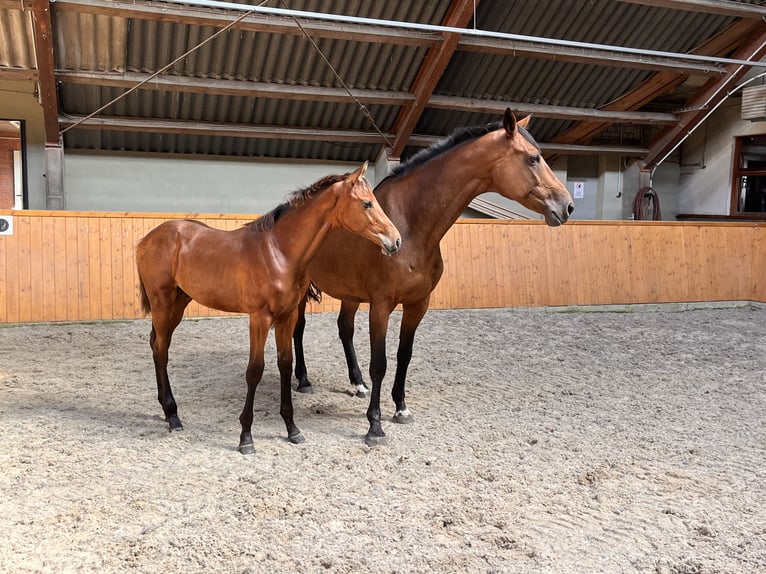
(412, 315)
(166, 316)
(304, 386)
(346, 332)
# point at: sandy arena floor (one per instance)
(544, 442)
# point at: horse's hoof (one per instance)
(174, 424)
(403, 417)
(247, 448)
(360, 391)
(296, 438)
(306, 390)
(374, 439)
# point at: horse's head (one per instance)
(359, 212)
(522, 174)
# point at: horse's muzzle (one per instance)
(391, 247)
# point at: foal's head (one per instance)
(359, 212)
(522, 174)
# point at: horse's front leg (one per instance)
(283, 330)
(411, 317)
(346, 333)
(259, 329)
(378, 328)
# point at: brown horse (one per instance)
(423, 198)
(259, 269)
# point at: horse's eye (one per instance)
(367, 204)
(534, 159)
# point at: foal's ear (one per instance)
(525, 121)
(509, 122)
(358, 174)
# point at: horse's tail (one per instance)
(145, 306)
(315, 293)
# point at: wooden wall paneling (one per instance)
(487, 236)
(474, 259)
(95, 309)
(60, 265)
(83, 268)
(128, 267)
(22, 228)
(536, 272)
(577, 242)
(115, 253)
(500, 262)
(72, 269)
(69, 266)
(5, 283)
(452, 275)
(12, 285)
(492, 235)
(37, 269)
(619, 273)
(105, 255)
(557, 281)
(758, 265)
(732, 273)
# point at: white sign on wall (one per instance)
(579, 190)
(6, 225)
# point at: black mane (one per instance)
(457, 137)
(268, 220)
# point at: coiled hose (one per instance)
(646, 196)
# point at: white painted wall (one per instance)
(707, 161)
(18, 102)
(178, 184)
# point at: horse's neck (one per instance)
(300, 232)
(432, 196)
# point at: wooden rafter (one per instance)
(41, 23)
(436, 60)
(658, 85)
(706, 99)
(197, 16)
(326, 94)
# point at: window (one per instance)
(749, 186)
(11, 164)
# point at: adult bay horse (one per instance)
(259, 269)
(424, 197)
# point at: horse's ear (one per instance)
(358, 174)
(509, 122)
(525, 121)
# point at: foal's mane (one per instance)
(457, 137)
(267, 221)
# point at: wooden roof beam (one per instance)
(197, 16)
(191, 127)
(430, 72)
(41, 23)
(248, 89)
(705, 100)
(657, 85)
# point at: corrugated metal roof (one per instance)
(124, 42)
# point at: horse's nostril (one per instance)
(570, 209)
(398, 243)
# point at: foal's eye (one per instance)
(534, 159)
(367, 204)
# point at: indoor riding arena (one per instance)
(536, 236)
